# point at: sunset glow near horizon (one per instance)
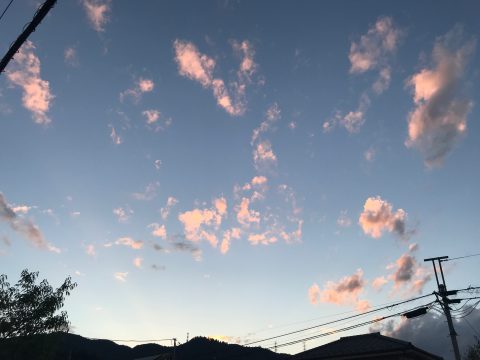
(239, 169)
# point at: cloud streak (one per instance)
(98, 13)
(24, 227)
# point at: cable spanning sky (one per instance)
(226, 168)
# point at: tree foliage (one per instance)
(473, 352)
(28, 308)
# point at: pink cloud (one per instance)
(25, 73)
(70, 56)
(228, 235)
(378, 216)
(344, 292)
(246, 216)
(137, 262)
(200, 67)
(201, 224)
(379, 282)
(117, 140)
(370, 52)
(264, 238)
(142, 86)
(263, 155)
(165, 211)
(90, 250)
(127, 241)
(439, 118)
(152, 116)
(97, 13)
(158, 230)
(272, 115)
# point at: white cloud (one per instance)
(122, 214)
(25, 73)
(121, 276)
(70, 56)
(117, 140)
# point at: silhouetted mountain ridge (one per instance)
(61, 346)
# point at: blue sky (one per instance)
(228, 168)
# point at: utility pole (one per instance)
(37, 19)
(174, 348)
(442, 291)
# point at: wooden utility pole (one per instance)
(37, 19)
(442, 291)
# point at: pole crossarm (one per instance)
(37, 19)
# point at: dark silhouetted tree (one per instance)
(28, 308)
(473, 352)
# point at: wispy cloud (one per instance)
(245, 215)
(343, 220)
(121, 276)
(200, 67)
(137, 262)
(378, 216)
(272, 115)
(439, 118)
(122, 214)
(97, 13)
(25, 73)
(70, 56)
(24, 227)
(90, 250)
(263, 156)
(141, 86)
(228, 236)
(149, 193)
(165, 211)
(117, 140)
(128, 241)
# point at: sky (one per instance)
(240, 169)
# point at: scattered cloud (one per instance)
(439, 118)
(97, 13)
(343, 219)
(158, 164)
(152, 116)
(142, 86)
(351, 121)
(202, 224)
(70, 56)
(379, 282)
(264, 238)
(165, 211)
(228, 236)
(117, 140)
(200, 67)
(24, 227)
(158, 230)
(21, 209)
(272, 115)
(24, 72)
(90, 250)
(378, 216)
(184, 246)
(127, 241)
(369, 154)
(122, 214)
(371, 51)
(121, 276)
(263, 156)
(149, 193)
(137, 262)
(245, 215)
(344, 292)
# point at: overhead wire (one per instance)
(346, 328)
(338, 320)
(461, 257)
(6, 8)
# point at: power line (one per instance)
(131, 340)
(347, 328)
(461, 257)
(4, 11)
(31, 26)
(338, 320)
